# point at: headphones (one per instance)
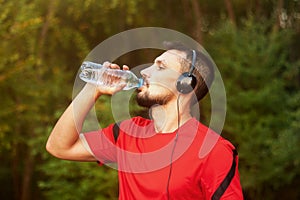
(186, 82)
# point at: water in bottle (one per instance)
(97, 74)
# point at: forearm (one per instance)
(64, 141)
(65, 134)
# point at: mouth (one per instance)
(145, 85)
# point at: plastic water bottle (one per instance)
(97, 74)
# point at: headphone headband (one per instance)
(186, 82)
(193, 62)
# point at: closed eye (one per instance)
(159, 67)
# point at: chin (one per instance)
(146, 99)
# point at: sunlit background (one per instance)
(254, 43)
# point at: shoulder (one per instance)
(216, 151)
(223, 149)
(212, 144)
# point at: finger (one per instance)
(114, 66)
(125, 67)
(106, 64)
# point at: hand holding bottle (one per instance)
(109, 78)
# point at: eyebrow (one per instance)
(162, 62)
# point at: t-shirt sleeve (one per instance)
(101, 144)
(217, 167)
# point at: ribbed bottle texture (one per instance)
(97, 74)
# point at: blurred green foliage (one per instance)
(262, 88)
(43, 43)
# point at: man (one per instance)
(157, 158)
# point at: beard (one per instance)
(145, 100)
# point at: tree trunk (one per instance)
(44, 31)
(15, 171)
(17, 150)
(27, 177)
(187, 12)
(230, 12)
(29, 159)
(278, 13)
(198, 18)
(258, 8)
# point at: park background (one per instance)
(254, 43)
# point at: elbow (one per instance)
(50, 149)
(57, 150)
(53, 150)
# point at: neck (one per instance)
(168, 118)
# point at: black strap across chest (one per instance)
(227, 180)
(116, 130)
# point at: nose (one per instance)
(146, 72)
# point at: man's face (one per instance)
(160, 79)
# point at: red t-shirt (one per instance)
(200, 158)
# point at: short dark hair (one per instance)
(204, 68)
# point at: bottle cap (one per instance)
(141, 82)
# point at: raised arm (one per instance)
(64, 141)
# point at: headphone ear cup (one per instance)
(186, 83)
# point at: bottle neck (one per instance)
(141, 82)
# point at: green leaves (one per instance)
(44, 42)
(254, 62)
